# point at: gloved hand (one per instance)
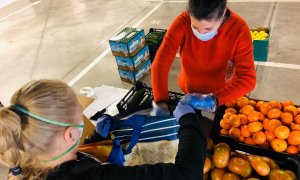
(206, 102)
(159, 111)
(182, 109)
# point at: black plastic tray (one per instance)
(140, 97)
(217, 137)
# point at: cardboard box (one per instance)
(127, 42)
(88, 126)
(261, 47)
(135, 62)
(132, 77)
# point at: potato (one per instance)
(221, 155)
(260, 166)
(217, 174)
(230, 176)
(207, 165)
(240, 166)
(277, 174)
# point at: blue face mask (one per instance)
(204, 37)
(207, 36)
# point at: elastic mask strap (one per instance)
(58, 123)
(62, 154)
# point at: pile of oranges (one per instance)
(266, 124)
(222, 163)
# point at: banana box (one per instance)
(135, 62)
(139, 74)
(127, 42)
(260, 40)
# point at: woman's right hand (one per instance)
(160, 109)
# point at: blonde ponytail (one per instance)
(10, 132)
(23, 137)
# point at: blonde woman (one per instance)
(41, 129)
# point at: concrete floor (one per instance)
(59, 39)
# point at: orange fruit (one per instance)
(258, 104)
(246, 109)
(253, 116)
(261, 116)
(232, 110)
(273, 124)
(298, 109)
(252, 103)
(227, 115)
(275, 104)
(241, 138)
(234, 133)
(288, 103)
(259, 137)
(266, 123)
(274, 114)
(282, 132)
(255, 126)
(270, 136)
(295, 127)
(230, 104)
(234, 120)
(224, 131)
(287, 118)
(291, 109)
(243, 118)
(294, 138)
(265, 108)
(279, 145)
(297, 119)
(292, 149)
(249, 141)
(242, 101)
(224, 124)
(245, 131)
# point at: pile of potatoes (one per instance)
(222, 164)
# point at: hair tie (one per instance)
(16, 170)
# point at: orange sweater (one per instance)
(223, 65)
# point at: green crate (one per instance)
(261, 47)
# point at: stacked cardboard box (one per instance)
(131, 53)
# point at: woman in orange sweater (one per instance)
(216, 54)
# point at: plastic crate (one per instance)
(140, 97)
(154, 45)
(261, 47)
(256, 150)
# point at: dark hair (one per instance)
(206, 9)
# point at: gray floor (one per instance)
(58, 39)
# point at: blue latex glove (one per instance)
(205, 102)
(182, 109)
(103, 125)
(158, 111)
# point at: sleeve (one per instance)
(188, 165)
(245, 79)
(165, 57)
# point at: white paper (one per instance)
(105, 97)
